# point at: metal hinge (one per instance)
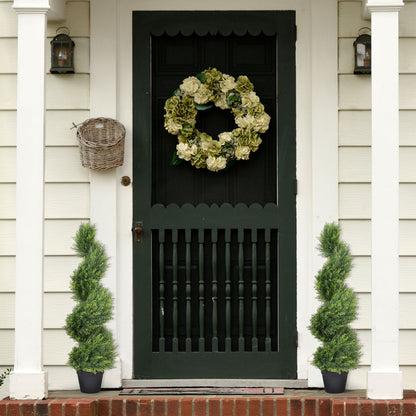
(296, 186)
(296, 33)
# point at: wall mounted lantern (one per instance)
(362, 52)
(62, 52)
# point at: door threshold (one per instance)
(203, 382)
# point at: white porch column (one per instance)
(29, 381)
(385, 379)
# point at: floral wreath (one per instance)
(197, 93)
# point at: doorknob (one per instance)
(138, 231)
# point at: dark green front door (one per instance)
(215, 271)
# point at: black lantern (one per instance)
(62, 53)
(362, 52)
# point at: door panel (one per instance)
(215, 273)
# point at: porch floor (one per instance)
(293, 403)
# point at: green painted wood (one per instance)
(254, 340)
(214, 236)
(188, 290)
(162, 289)
(268, 290)
(201, 241)
(186, 200)
(175, 289)
(241, 339)
(227, 291)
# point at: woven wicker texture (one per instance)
(101, 143)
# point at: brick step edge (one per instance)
(208, 406)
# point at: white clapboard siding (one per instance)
(59, 236)
(63, 164)
(67, 200)
(57, 306)
(407, 237)
(8, 20)
(407, 20)
(354, 201)
(363, 320)
(357, 379)
(407, 128)
(407, 347)
(354, 164)
(357, 234)
(409, 376)
(364, 337)
(360, 276)
(8, 53)
(69, 91)
(407, 198)
(346, 55)
(355, 128)
(407, 273)
(407, 55)
(355, 92)
(7, 200)
(407, 168)
(62, 377)
(7, 310)
(59, 131)
(7, 237)
(77, 14)
(58, 271)
(81, 55)
(6, 347)
(7, 273)
(407, 311)
(8, 88)
(8, 128)
(56, 346)
(407, 88)
(350, 19)
(7, 164)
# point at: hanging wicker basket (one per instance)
(101, 142)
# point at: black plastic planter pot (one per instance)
(334, 382)
(89, 382)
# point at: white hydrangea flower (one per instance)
(203, 95)
(227, 84)
(244, 122)
(242, 152)
(172, 126)
(185, 151)
(190, 85)
(216, 163)
(261, 124)
(225, 137)
(222, 102)
(249, 100)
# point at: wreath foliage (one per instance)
(201, 92)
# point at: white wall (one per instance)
(355, 181)
(66, 186)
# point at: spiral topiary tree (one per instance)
(95, 351)
(340, 350)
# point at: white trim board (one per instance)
(317, 132)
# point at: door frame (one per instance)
(317, 144)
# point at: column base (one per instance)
(384, 386)
(29, 386)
